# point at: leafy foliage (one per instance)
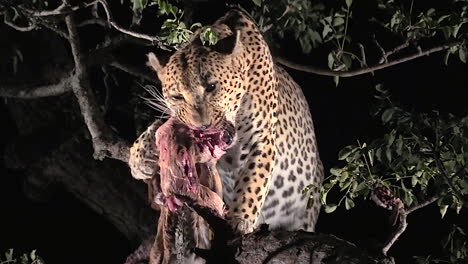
(11, 258)
(323, 24)
(422, 155)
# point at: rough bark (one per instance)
(282, 247)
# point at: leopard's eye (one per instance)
(210, 87)
(177, 97)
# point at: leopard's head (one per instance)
(203, 85)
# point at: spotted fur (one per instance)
(274, 153)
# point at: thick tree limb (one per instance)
(325, 72)
(282, 247)
(38, 92)
(104, 142)
(105, 187)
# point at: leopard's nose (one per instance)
(205, 126)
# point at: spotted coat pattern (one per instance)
(273, 155)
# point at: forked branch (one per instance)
(402, 223)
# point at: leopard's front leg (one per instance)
(252, 185)
(143, 161)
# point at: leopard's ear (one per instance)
(154, 63)
(230, 45)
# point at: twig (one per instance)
(383, 57)
(37, 92)
(10, 23)
(135, 71)
(325, 72)
(37, 21)
(155, 40)
(104, 142)
(423, 204)
(403, 213)
(397, 49)
(63, 9)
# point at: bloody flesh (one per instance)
(187, 161)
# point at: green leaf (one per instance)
(314, 36)
(139, 4)
(361, 186)
(462, 54)
(399, 145)
(442, 18)
(443, 210)
(348, 203)
(195, 26)
(349, 3)
(257, 2)
(388, 154)
(336, 79)
(391, 137)
(430, 12)
(347, 61)
(336, 172)
(330, 208)
(326, 29)
(32, 255)
(371, 154)
(338, 21)
(378, 154)
(305, 44)
(208, 36)
(387, 115)
(323, 198)
(346, 151)
(414, 180)
(331, 60)
(9, 255)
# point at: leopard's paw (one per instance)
(240, 225)
(143, 159)
(142, 165)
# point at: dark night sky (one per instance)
(341, 115)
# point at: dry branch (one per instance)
(403, 214)
(325, 72)
(62, 9)
(38, 92)
(153, 39)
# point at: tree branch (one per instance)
(153, 39)
(135, 71)
(38, 92)
(104, 142)
(10, 23)
(403, 214)
(63, 9)
(394, 50)
(325, 72)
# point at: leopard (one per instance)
(236, 85)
